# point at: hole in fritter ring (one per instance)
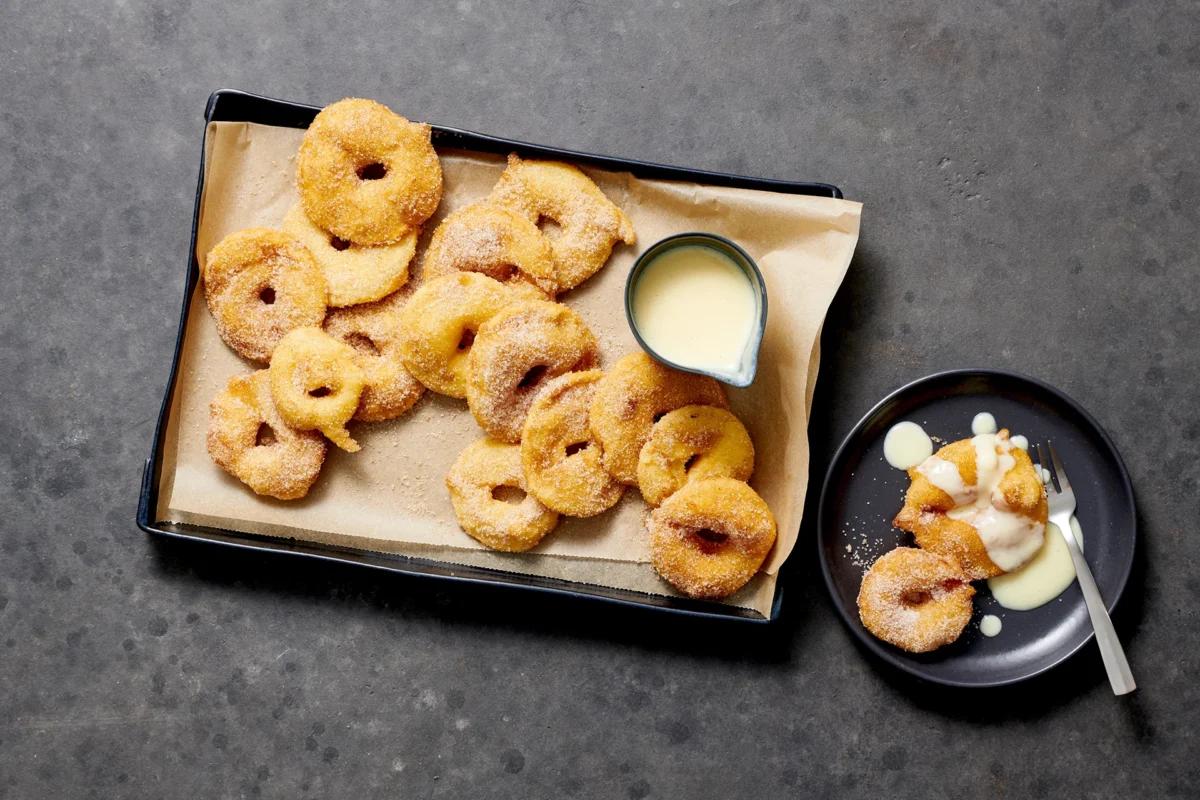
(468, 338)
(503, 272)
(709, 541)
(691, 462)
(577, 447)
(659, 415)
(532, 377)
(265, 436)
(267, 295)
(372, 172)
(320, 391)
(915, 597)
(339, 244)
(549, 227)
(508, 494)
(362, 343)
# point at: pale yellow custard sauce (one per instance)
(695, 307)
(1044, 578)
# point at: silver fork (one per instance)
(1061, 501)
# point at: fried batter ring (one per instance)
(373, 331)
(915, 599)
(590, 223)
(514, 353)
(355, 273)
(925, 507)
(248, 439)
(259, 284)
(693, 443)
(562, 461)
(493, 240)
(631, 397)
(316, 384)
(439, 324)
(710, 537)
(366, 174)
(476, 482)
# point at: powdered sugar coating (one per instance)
(496, 523)
(496, 241)
(632, 395)
(373, 331)
(355, 273)
(285, 465)
(915, 599)
(710, 538)
(590, 223)
(515, 353)
(316, 384)
(563, 463)
(259, 284)
(344, 142)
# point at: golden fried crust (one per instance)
(631, 396)
(366, 174)
(373, 331)
(925, 507)
(355, 273)
(562, 460)
(693, 443)
(1023, 489)
(914, 599)
(316, 384)
(493, 240)
(259, 284)
(439, 323)
(248, 439)
(473, 480)
(711, 537)
(515, 353)
(590, 224)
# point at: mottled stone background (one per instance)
(1031, 184)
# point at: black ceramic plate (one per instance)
(862, 493)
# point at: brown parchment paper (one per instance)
(390, 497)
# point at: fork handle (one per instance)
(1111, 651)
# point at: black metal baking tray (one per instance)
(234, 106)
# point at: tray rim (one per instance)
(236, 105)
(855, 627)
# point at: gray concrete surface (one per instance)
(1032, 190)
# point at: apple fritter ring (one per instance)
(560, 456)
(493, 240)
(515, 353)
(491, 499)
(373, 331)
(367, 174)
(711, 537)
(440, 321)
(631, 397)
(316, 384)
(589, 223)
(925, 511)
(915, 600)
(693, 443)
(259, 284)
(355, 273)
(248, 439)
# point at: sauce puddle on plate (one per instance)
(906, 445)
(1044, 578)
